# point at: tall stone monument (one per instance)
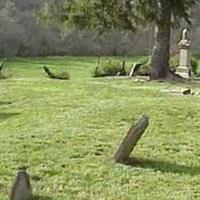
(184, 67)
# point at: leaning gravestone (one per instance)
(21, 188)
(185, 58)
(129, 142)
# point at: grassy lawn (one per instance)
(66, 133)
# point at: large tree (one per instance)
(127, 14)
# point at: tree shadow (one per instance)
(37, 197)
(163, 166)
(4, 116)
(5, 103)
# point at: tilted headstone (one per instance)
(21, 188)
(131, 139)
(184, 67)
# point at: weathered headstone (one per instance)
(21, 188)
(132, 71)
(131, 139)
(178, 91)
(135, 69)
(185, 58)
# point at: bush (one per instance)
(174, 63)
(64, 75)
(195, 67)
(109, 67)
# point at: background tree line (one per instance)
(23, 34)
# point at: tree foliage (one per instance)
(127, 14)
(22, 34)
(121, 14)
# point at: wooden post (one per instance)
(123, 68)
(132, 71)
(131, 139)
(1, 69)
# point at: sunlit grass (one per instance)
(66, 133)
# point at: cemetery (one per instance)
(101, 126)
(66, 133)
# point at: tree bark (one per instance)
(161, 50)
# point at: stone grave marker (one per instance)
(184, 67)
(21, 188)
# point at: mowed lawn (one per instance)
(66, 133)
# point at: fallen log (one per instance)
(50, 74)
(131, 139)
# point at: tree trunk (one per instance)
(161, 50)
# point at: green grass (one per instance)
(66, 133)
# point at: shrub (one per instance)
(2, 76)
(195, 67)
(174, 63)
(64, 75)
(109, 67)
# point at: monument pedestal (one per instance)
(183, 72)
(184, 67)
(184, 61)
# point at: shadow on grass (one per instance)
(42, 198)
(163, 166)
(5, 103)
(4, 116)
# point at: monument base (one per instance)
(183, 72)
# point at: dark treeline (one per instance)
(23, 34)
